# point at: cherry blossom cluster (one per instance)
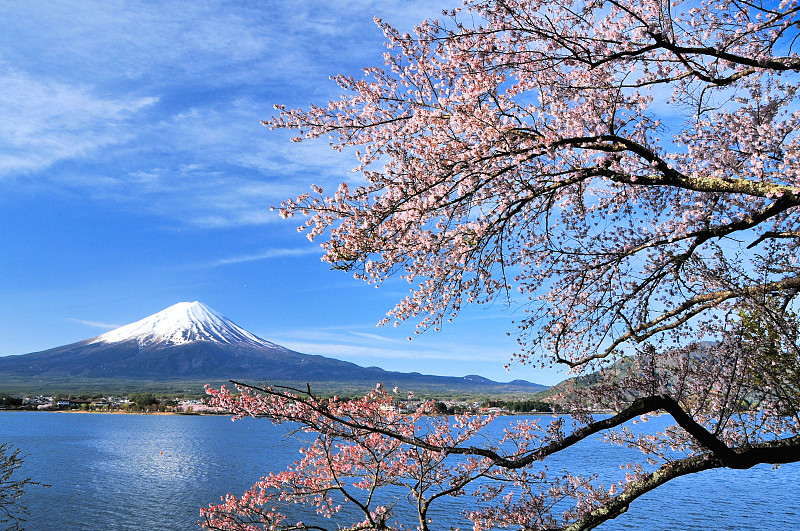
(521, 155)
(626, 172)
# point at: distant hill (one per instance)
(621, 369)
(192, 342)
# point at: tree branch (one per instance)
(772, 234)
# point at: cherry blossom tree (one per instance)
(627, 172)
(12, 487)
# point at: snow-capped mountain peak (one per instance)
(182, 323)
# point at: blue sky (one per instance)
(135, 174)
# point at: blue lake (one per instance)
(154, 472)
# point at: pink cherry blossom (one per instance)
(626, 173)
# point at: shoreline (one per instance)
(212, 413)
(115, 412)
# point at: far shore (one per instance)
(115, 412)
(211, 413)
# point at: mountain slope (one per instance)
(182, 323)
(190, 341)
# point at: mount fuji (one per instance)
(190, 341)
(183, 323)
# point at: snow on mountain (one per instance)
(183, 323)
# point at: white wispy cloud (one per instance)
(353, 352)
(348, 342)
(270, 253)
(375, 337)
(158, 104)
(94, 324)
(45, 121)
(359, 353)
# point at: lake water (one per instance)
(154, 472)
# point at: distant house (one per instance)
(72, 402)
